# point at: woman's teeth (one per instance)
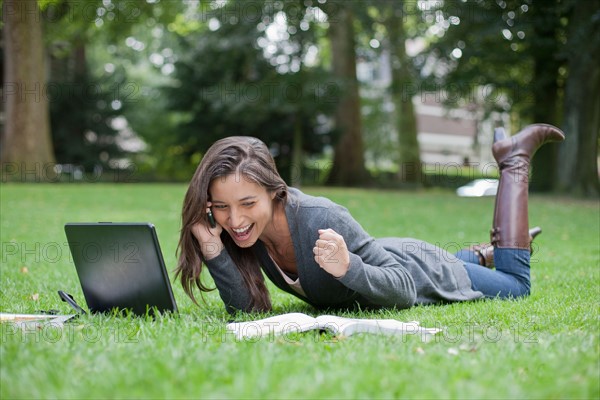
(242, 234)
(242, 230)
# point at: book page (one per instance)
(277, 325)
(25, 319)
(298, 322)
(349, 326)
(7, 317)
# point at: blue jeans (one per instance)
(509, 279)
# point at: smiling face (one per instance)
(242, 207)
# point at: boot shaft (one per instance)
(514, 154)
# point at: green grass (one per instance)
(544, 346)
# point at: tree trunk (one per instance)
(27, 152)
(409, 158)
(579, 153)
(68, 135)
(348, 167)
(546, 105)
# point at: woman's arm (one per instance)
(371, 270)
(229, 282)
(222, 269)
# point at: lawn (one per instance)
(544, 346)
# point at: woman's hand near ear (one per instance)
(208, 238)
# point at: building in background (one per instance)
(447, 135)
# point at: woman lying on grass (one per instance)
(240, 219)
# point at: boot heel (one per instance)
(533, 232)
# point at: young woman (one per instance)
(240, 219)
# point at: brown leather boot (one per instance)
(485, 251)
(513, 155)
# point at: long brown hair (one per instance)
(250, 158)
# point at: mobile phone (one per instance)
(211, 219)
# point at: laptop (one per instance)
(120, 266)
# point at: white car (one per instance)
(479, 188)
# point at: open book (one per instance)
(298, 322)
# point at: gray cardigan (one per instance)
(389, 272)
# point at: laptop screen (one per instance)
(120, 266)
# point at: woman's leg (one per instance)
(483, 254)
(510, 229)
(509, 279)
(468, 256)
(513, 154)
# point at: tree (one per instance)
(389, 133)
(517, 48)
(91, 74)
(232, 80)
(59, 108)
(348, 163)
(26, 143)
(579, 153)
(543, 48)
(409, 158)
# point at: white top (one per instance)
(293, 283)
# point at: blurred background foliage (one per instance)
(149, 85)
